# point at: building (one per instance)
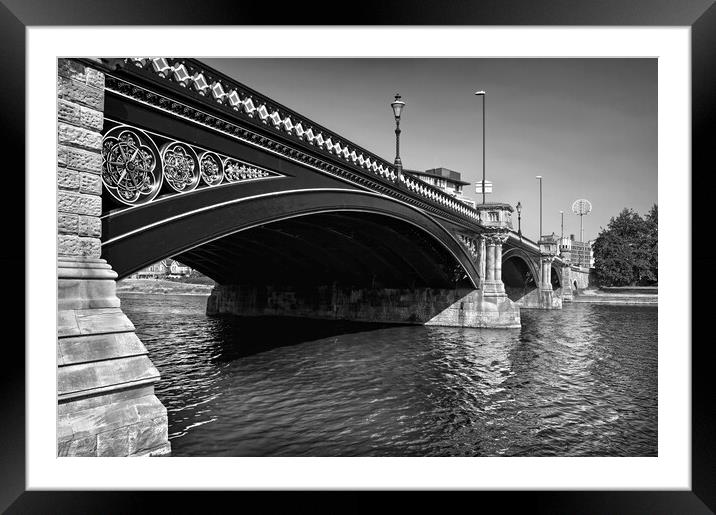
(165, 268)
(581, 252)
(445, 179)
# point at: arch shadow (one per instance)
(520, 275)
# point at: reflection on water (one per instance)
(577, 382)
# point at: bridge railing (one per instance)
(436, 195)
(192, 78)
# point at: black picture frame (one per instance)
(700, 15)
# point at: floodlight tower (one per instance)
(581, 207)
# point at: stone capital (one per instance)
(495, 237)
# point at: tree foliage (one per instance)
(626, 252)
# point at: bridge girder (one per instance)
(354, 233)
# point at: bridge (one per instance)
(161, 157)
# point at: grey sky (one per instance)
(588, 126)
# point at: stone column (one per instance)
(493, 273)
(546, 283)
(498, 264)
(105, 381)
(567, 294)
(546, 294)
(482, 261)
(490, 264)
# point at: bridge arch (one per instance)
(364, 238)
(520, 273)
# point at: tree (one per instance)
(626, 252)
(652, 243)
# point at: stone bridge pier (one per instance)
(566, 269)
(105, 381)
(548, 298)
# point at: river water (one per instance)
(577, 382)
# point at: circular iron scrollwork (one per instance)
(237, 171)
(181, 166)
(131, 167)
(212, 169)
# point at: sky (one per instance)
(587, 126)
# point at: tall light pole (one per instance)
(562, 235)
(397, 106)
(483, 95)
(540, 205)
(519, 219)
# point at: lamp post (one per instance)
(562, 234)
(397, 106)
(540, 205)
(519, 219)
(483, 95)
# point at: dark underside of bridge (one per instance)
(517, 277)
(349, 249)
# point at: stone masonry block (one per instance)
(67, 202)
(83, 160)
(71, 245)
(113, 443)
(90, 205)
(72, 70)
(68, 223)
(86, 446)
(61, 156)
(148, 435)
(68, 245)
(95, 78)
(90, 183)
(68, 179)
(78, 137)
(90, 247)
(90, 226)
(91, 118)
(68, 112)
(70, 202)
(76, 91)
(76, 71)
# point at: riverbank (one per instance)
(162, 287)
(609, 297)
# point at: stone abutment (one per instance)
(105, 381)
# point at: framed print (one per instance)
(291, 256)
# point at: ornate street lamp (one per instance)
(519, 219)
(397, 106)
(483, 95)
(540, 205)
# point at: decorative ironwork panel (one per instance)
(212, 168)
(181, 166)
(471, 245)
(131, 165)
(235, 170)
(134, 170)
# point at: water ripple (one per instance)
(576, 382)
